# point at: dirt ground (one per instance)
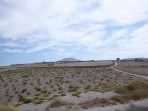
(41, 85)
(140, 68)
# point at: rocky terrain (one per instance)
(72, 88)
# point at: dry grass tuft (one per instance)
(6, 107)
(134, 91)
(96, 102)
(119, 99)
(134, 86)
(57, 102)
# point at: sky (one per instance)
(50, 30)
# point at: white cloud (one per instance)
(133, 46)
(40, 47)
(13, 50)
(117, 35)
(83, 23)
(139, 41)
(8, 44)
(121, 11)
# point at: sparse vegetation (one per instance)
(37, 85)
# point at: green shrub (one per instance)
(20, 98)
(40, 101)
(121, 90)
(26, 101)
(37, 94)
(60, 88)
(28, 93)
(38, 89)
(87, 87)
(77, 94)
(44, 91)
(73, 88)
(63, 94)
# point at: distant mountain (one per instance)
(69, 59)
(133, 59)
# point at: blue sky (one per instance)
(49, 30)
